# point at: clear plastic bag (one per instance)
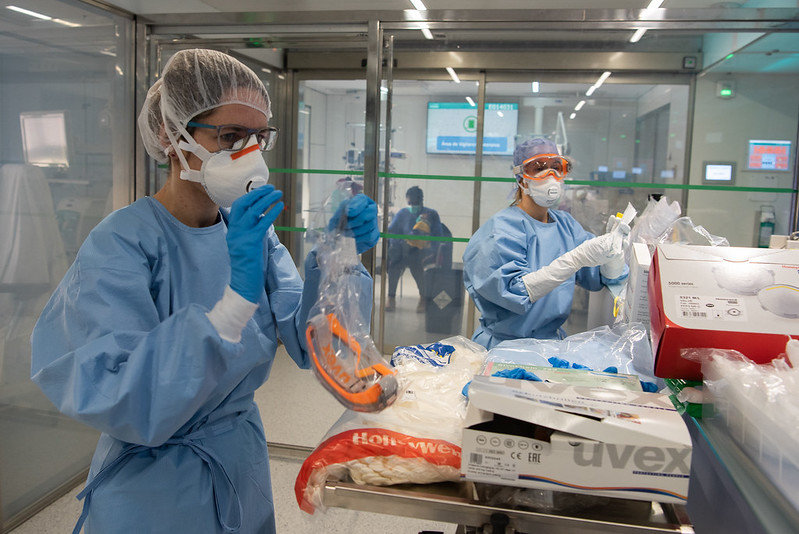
(759, 406)
(660, 222)
(623, 346)
(344, 358)
(653, 221)
(415, 440)
(684, 231)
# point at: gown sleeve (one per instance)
(103, 354)
(495, 263)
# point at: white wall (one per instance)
(676, 97)
(764, 107)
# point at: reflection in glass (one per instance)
(430, 182)
(66, 122)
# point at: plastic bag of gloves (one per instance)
(416, 440)
(759, 406)
(344, 358)
(624, 347)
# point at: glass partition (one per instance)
(66, 117)
(626, 141)
(431, 184)
(754, 128)
(330, 153)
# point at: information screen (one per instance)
(452, 128)
(719, 172)
(769, 155)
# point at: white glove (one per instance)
(596, 251)
(614, 267)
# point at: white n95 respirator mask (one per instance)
(780, 299)
(743, 279)
(226, 175)
(546, 193)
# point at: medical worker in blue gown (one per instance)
(520, 267)
(170, 316)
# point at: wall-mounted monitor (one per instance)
(718, 172)
(452, 128)
(44, 138)
(764, 155)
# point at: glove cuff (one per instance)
(230, 315)
(539, 283)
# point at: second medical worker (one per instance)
(169, 318)
(520, 267)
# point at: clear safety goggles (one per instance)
(232, 137)
(542, 166)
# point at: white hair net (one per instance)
(193, 82)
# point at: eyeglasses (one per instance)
(234, 137)
(531, 168)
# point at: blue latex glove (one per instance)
(361, 222)
(559, 363)
(250, 219)
(518, 373)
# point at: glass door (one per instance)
(66, 118)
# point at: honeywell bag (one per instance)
(416, 440)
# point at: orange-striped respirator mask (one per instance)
(228, 174)
(543, 178)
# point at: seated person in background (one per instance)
(520, 267)
(411, 253)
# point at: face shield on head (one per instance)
(192, 83)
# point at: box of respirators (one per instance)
(745, 299)
(589, 440)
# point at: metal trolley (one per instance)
(458, 503)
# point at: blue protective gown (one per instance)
(505, 248)
(124, 345)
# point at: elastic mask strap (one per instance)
(174, 142)
(194, 147)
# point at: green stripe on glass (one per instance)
(592, 183)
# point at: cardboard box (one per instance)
(745, 299)
(636, 301)
(597, 441)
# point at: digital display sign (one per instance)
(769, 155)
(452, 128)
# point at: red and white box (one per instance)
(744, 299)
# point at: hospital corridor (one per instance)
(406, 266)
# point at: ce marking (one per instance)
(516, 455)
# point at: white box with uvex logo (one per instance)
(598, 441)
